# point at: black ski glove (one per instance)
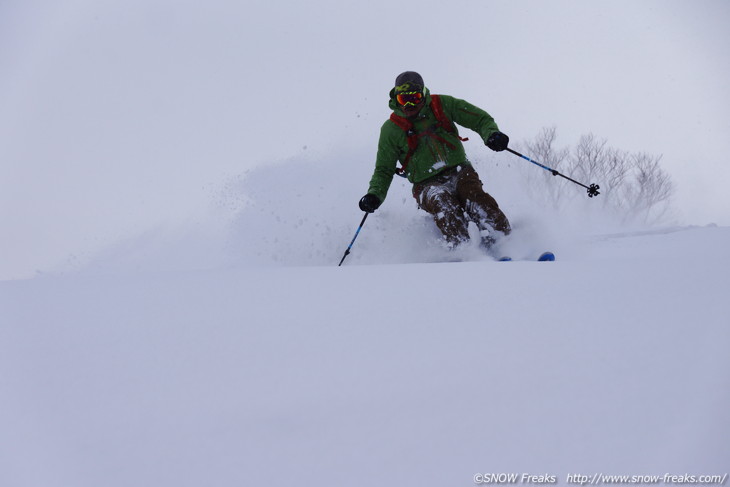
(369, 203)
(498, 141)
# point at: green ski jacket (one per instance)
(431, 156)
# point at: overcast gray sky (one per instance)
(118, 116)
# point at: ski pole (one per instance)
(592, 189)
(347, 252)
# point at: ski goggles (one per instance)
(410, 98)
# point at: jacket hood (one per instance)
(397, 109)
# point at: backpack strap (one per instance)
(402, 122)
(411, 137)
(438, 111)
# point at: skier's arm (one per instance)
(385, 162)
(470, 116)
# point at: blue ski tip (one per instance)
(546, 257)
(505, 259)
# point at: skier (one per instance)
(421, 135)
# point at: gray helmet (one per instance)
(409, 81)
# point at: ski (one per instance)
(544, 257)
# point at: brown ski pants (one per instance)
(455, 197)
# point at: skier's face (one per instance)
(411, 110)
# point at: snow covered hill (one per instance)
(612, 360)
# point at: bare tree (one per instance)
(614, 173)
(650, 188)
(634, 185)
(543, 149)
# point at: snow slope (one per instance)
(612, 360)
